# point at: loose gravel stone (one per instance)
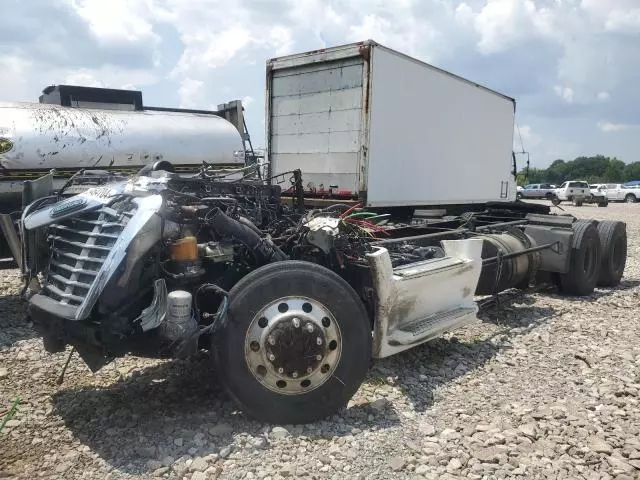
(396, 464)
(598, 445)
(278, 433)
(545, 387)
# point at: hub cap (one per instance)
(293, 345)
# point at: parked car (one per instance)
(618, 192)
(536, 190)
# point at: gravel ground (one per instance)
(544, 387)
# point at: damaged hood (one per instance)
(93, 199)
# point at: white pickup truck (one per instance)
(578, 192)
(568, 190)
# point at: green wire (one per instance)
(10, 413)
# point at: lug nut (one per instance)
(318, 357)
(271, 340)
(296, 322)
(319, 341)
(310, 327)
(272, 357)
(294, 374)
(309, 370)
(281, 370)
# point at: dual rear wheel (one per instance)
(598, 256)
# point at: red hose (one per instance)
(347, 212)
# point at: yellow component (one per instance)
(185, 249)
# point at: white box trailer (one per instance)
(365, 121)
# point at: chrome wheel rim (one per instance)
(293, 345)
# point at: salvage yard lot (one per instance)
(543, 387)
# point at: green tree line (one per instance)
(597, 169)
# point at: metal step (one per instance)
(428, 267)
(431, 327)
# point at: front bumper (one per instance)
(57, 332)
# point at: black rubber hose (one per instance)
(250, 224)
(340, 206)
(264, 250)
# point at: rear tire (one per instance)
(578, 202)
(295, 386)
(584, 264)
(613, 248)
(603, 203)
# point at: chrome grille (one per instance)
(79, 247)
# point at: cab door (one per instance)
(614, 191)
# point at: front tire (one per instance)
(296, 345)
(630, 198)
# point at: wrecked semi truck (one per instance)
(294, 301)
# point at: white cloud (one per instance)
(603, 96)
(566, 93)
(409, 39)
(624, 21)
(247, 100)
(104, 77)
(14, 70)
(190, 92)
(503, 23)
(616, 127)
(622, 16)
(207, 50)
(84, 79)
(525, 138)
(117, 21)
(281, 40)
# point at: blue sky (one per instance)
(572, 65)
